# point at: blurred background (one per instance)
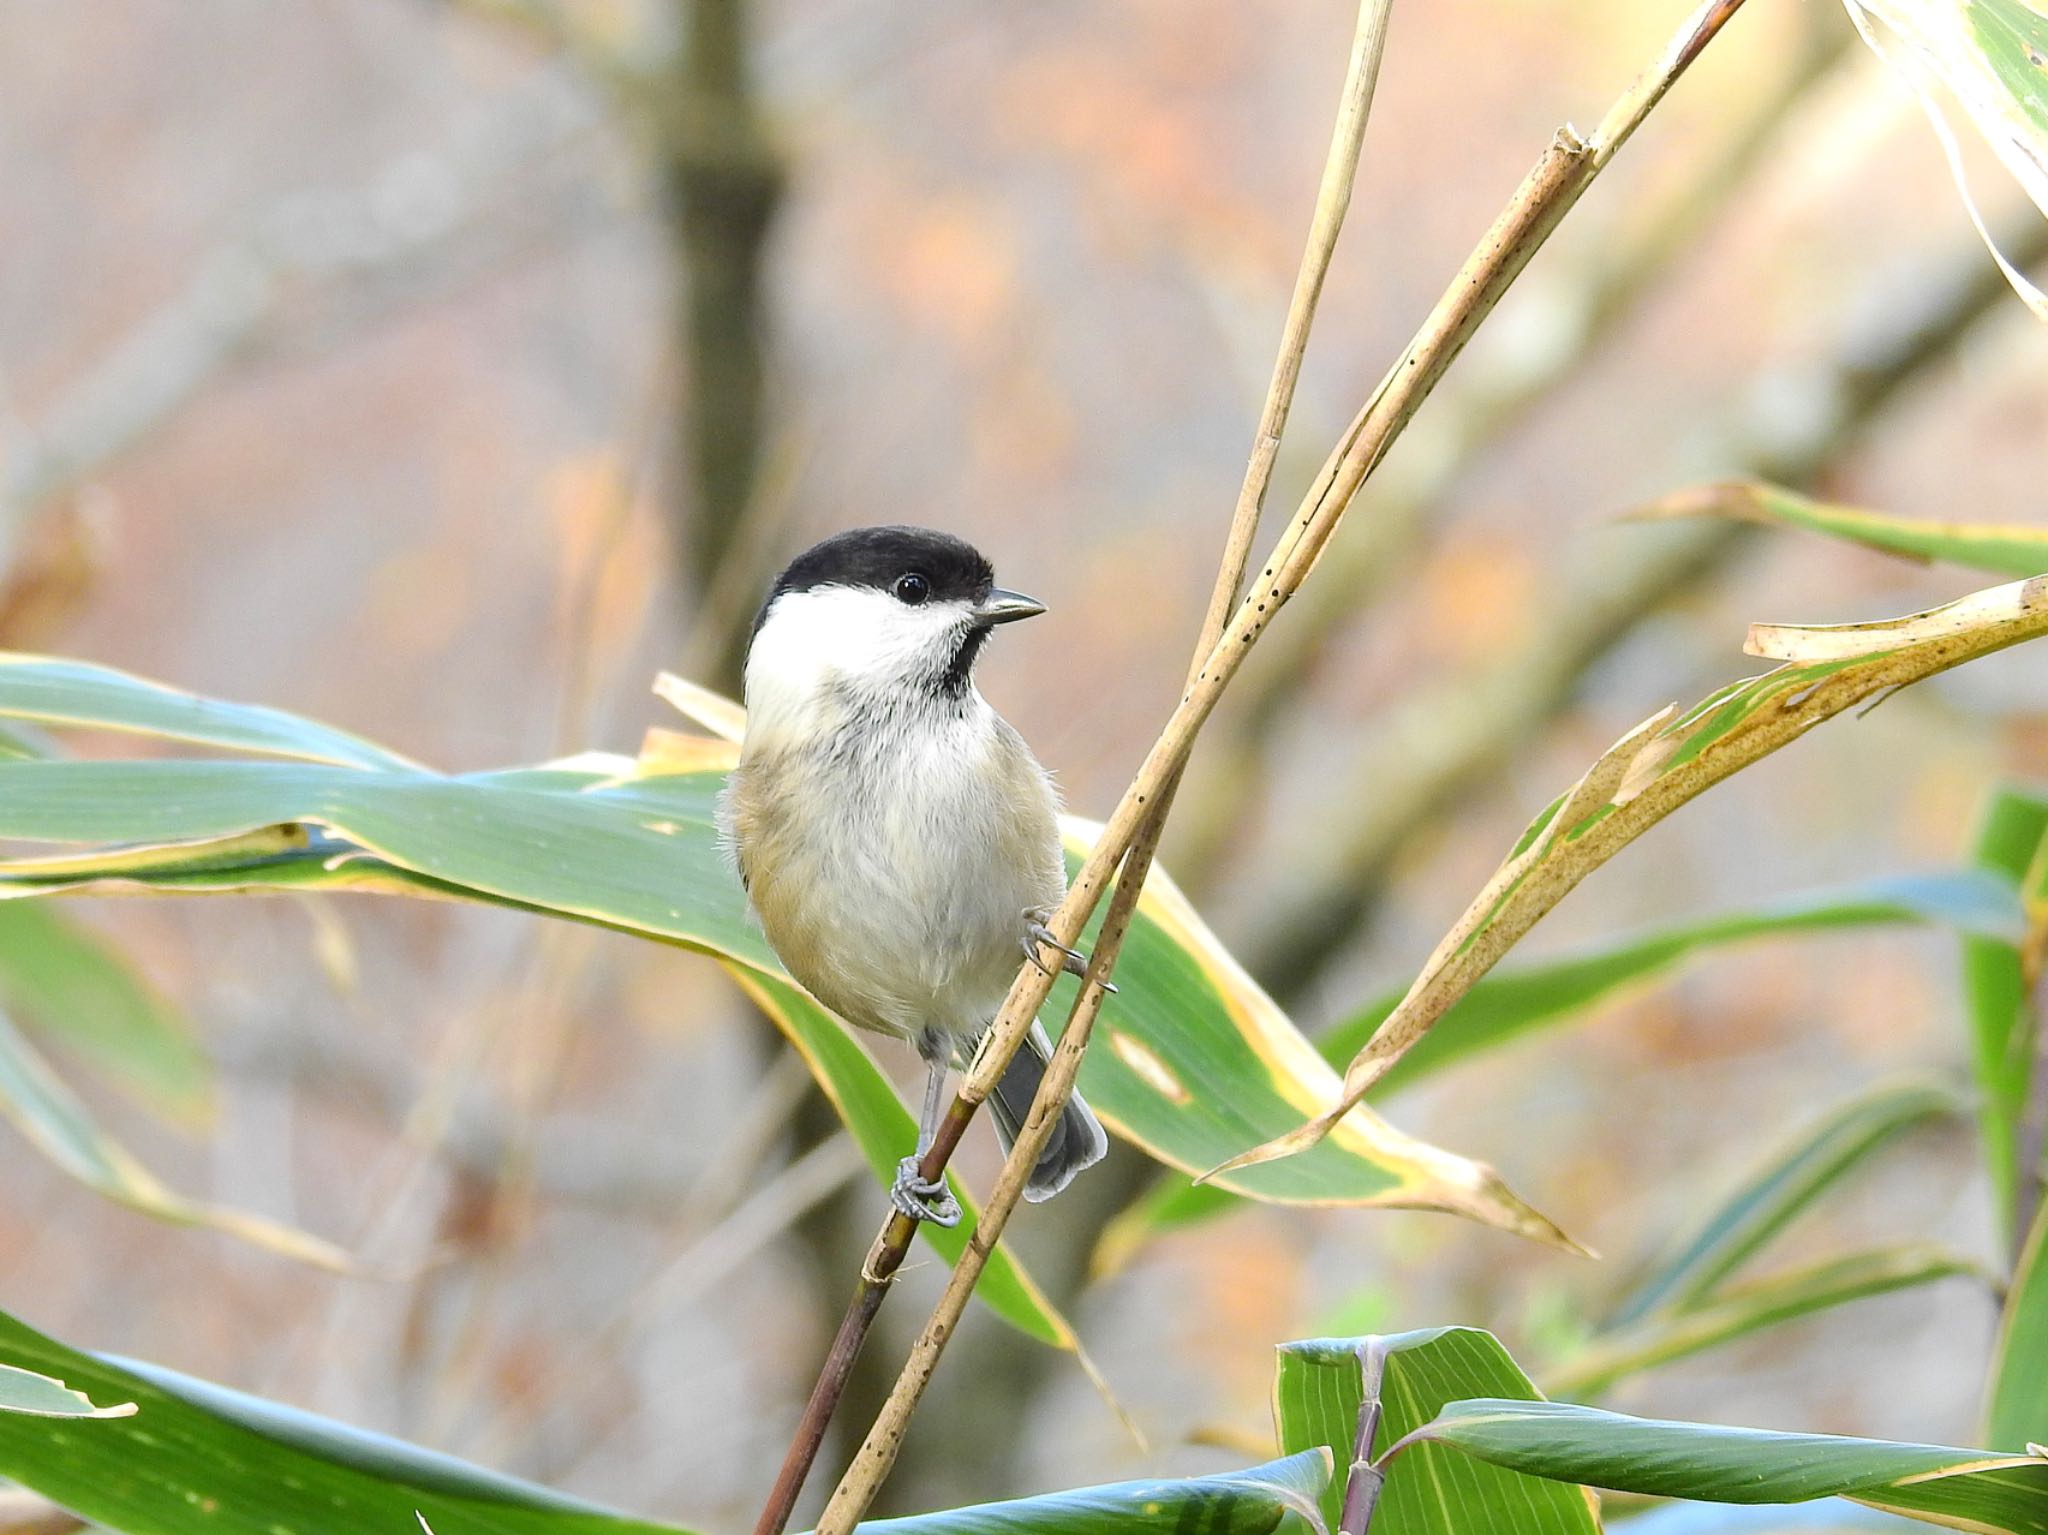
(443, 368)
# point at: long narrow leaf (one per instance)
(1193, 1060)
(47, 1114)
(1968, 1489)
(195, 1456)
(54, 691)
(1278, 1498)
(183, 1455)
(1744, 1310)
(1319, 1386)
(1511, 1002)
(1521, 998)
(2010, 836)
(1786, 1184)
(60, 979)
(2002, 549)
(2017, 1413)
(1983, 56)
(1656, 768)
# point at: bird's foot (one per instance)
(1038, 936)
(920, 1200)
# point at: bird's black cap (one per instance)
(879, 557)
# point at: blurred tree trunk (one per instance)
(721, 177)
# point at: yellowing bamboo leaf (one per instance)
(1196, 1060)
(715, 712)
(1648, 774)
(1847, 642)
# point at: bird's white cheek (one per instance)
(838, 635)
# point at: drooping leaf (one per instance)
(1520, 998)
(1193, 1058)
(1656, 768)
(886, 1131)
(39, 1396)
(2011, 835)
(56, 691)
(2002, 549)
(59, 978)
(195, 1456)
(1320, 1384)
(38, 1104)
(1968, 1489)
(1983, 56)
(2016, 1414)
(1740, 1311)
(1278, 1498)
(1510, 1002)
(1786, 1184)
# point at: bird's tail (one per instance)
(1077, 1141)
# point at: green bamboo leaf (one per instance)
(1320, 1384)
(1739, 1311)
(38, 1104)
(1193, 1059)
(54, 691)
(1513, 1002)
(2003, 549)
(62, 980)
(196, 1456)
(886, 1130)
(2011, 835)
(2016, 1415)
(39, 1396)
(1278, 1498)
(1983, 56)
(1966, 1489)
(1657, 767)
(188, 1455)
(1783, 1186)
(1519, 999)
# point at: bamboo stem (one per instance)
(1362, 1488)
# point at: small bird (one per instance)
(897, 839)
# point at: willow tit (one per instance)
(896, 837)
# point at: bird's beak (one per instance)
(1001, 607)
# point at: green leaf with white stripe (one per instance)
(1319, 1386)
(1963, 1489)
(179, 1455)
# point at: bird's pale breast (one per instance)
(891, 870)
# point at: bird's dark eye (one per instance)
(912, 590)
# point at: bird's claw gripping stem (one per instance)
(1038, 936)
(920, 1200)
